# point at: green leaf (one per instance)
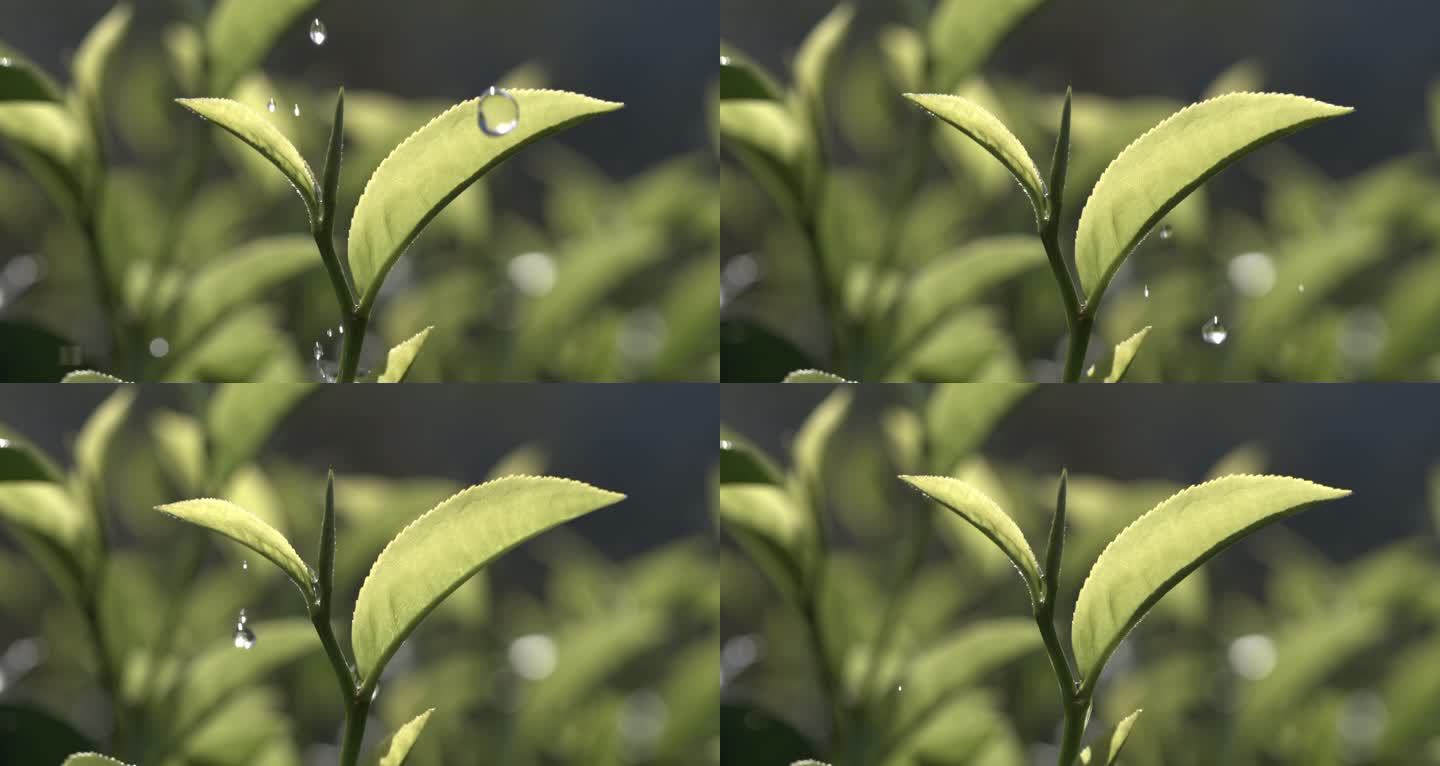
(179, 449)
(962, 33)
(245, 274)
(22, 80)
(741, 78)
(92, 759)
(261, 135)
(812, 442)
(439, 551)
(90, 376)
(768, 139)
(435, 164)
(1125, 353)
(958, 417)
(774, 531)
(812, 60)
(93, 60)
(240, 32)
(982, 512)
(1157, 171)
(397, 750)
(744, 463)
(250, 531)
(813, 376)
(330, 179)
(1106, 750)
(991, 134)
(325, 557)
(93, 444)
(21, 461)
(1155, 552)
(398, 361)
(56, 144)
(240, 418)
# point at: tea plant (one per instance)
(182, 687)
(186, 289)
(899, 686)
(929, 278)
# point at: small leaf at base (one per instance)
(1107, 748)
(397, 749)
(398, 361)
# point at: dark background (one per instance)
(1378, 56)
(1379, 441)
(654, 443)
(657, 56)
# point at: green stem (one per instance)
(355, 318)
(830, 308)
(1079, 342)
(356, 695)
(356, 325)
(356, 712)
(104, 291)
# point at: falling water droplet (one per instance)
(297, 110)
(1213, 332)
(244, 637)
(499, 112)
(4, 62)
(1301, 287)
(1166, 232)
(317, 32)
(159, 347)
(271, 106)
(1147, 292)
(327, 354)
(245, 565)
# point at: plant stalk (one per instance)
(355, 318)
(357, 698)
(825, 289)
(357, 710)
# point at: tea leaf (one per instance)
(1106, 749)
(91, 759)
(743, 463)
(397, 750)
(24, 81)
(1155, 552)
(813, 376)
(774, 531)
(93, 60)
(1157, 171)
(948, 284)
(812, 60)
(50, 512)
(959, 417)
(439, 551)
(741, 78)
(991, 134)
(51, 142)
(962, 33)
(770, 141)
(261, 135)
(93, 444)
(90, 376)
(812, 442)
(250, 531)
(240, 418)
(1125, 353)
(982, 512)
(240, 32)
(398, 361)
(243, 275)
(435, 164)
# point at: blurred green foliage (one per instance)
(1315, 278)
(207, 275)
(600, 661)
(905, 640)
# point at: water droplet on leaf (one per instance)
(499, 112)
(1213, 332)
(318, 32)
(271, 106)
(244, 637)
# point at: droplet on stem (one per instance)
(1213, 332)
(499, 112)
(318, 32)
(327, 353)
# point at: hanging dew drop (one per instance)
(244, 565)
(5, 62)
(297, 110)
(1147, 292)
(1166, 233)
(1213, 332)
(244, 637)
(499, 112)
(318, 32)
(1301, 287)
(327, 354)
(271, 106)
